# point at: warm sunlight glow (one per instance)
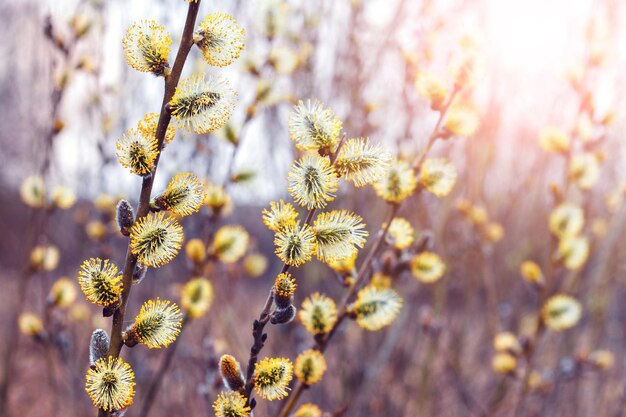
(534, 36)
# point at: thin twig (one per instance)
(322, 342)
(257, 327)
(551, 275)
(257, 346)
(171, 81)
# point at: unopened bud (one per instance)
(557, 193)
(388, 261)
(283, 302)
(243, 176)
(80, 25)
(263, 90)
(58, 125)
(231, 134)
(284, 315)
(532, 273)
(139, 274)
(98, 346)
(125, 217)
(251, 111)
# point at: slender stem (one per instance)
(259, 324)
(530, 355)
(490, 286)
(551, 275)
(171, 81)
(322, 343)
(385, 228)
(436, 132)
(468, 399)
(230, 170)
(343, 313)
(257, 330)
(257, 346)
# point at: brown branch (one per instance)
(171, 81)
(322, 342)
(467, 398)
(257, 346)
(436, 132)
(259, 324)
(551, 275)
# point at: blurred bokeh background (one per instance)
(68, 95)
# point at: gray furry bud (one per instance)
(98, 346)
(139, 274)
(284, 315)
(125, 217)
(283, 302)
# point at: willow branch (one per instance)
(322, 343)
(363, 272)
(171, 81)
(259, 341)
(167, 360)
(259, 324)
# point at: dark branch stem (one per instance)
(171, 81)
(322, 342)
(258, 325)
(257, 346)
(436, 132)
